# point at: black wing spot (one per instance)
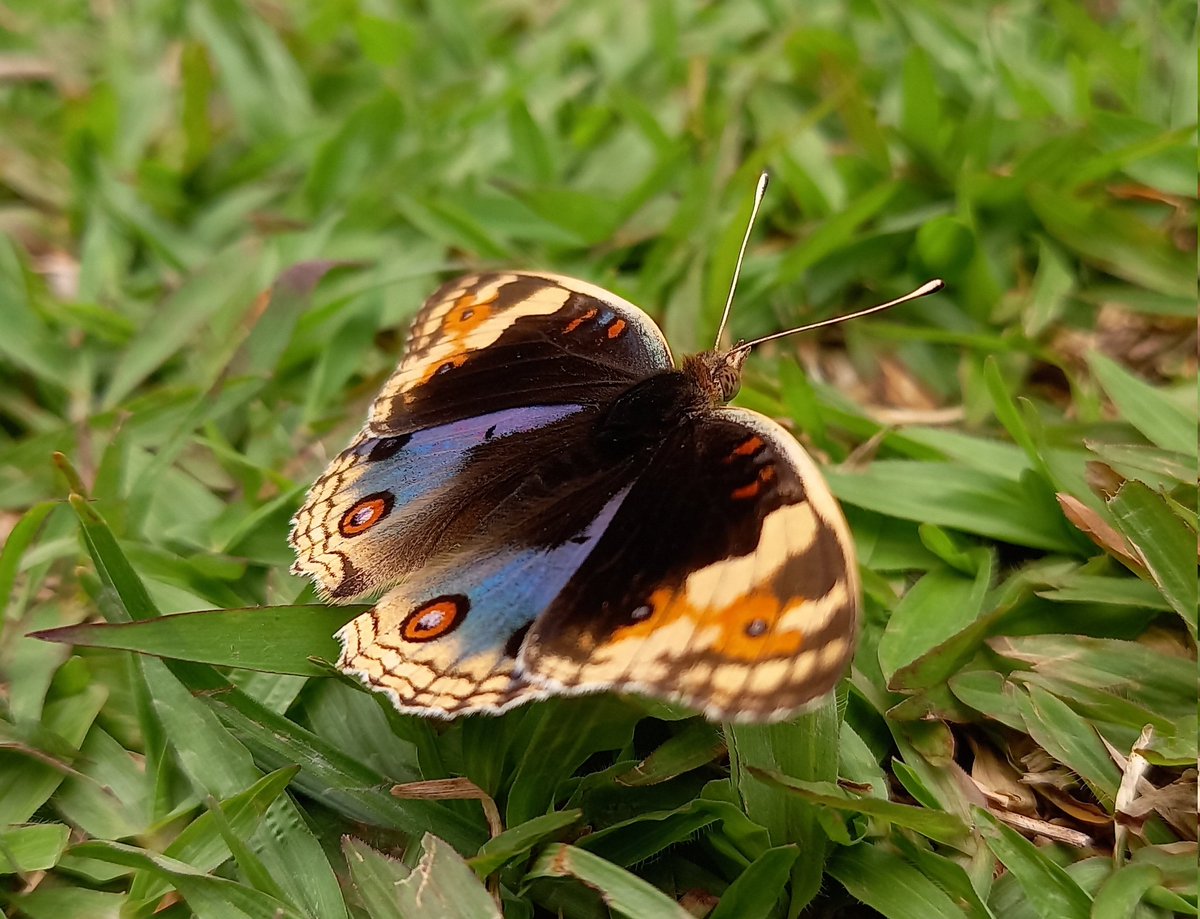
(387, 447)
(512, 647)
(489, 433)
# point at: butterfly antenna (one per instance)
(929, 287)
(737, 269)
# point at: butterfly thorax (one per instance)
(641, 416)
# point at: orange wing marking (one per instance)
(746, 631)
(747, 447)
(466, 315)
(749, 491)
(580, 320)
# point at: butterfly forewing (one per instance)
(493, 341)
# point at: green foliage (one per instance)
(217, 216)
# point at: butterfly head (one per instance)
(719, 373)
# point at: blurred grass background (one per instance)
(1017, 456)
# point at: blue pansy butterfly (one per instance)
(550, 505)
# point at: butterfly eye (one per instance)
(365, 514)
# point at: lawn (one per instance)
(215, 221)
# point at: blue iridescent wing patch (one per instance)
(445, 641)
(372, 516)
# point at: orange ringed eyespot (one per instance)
(365, 514)
(438, 617)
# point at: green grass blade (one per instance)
(210, 897)
(275, 639)
(520, 840)
(956, 497)
(376, 878)
(1119, 896)
(756, 891)
(1164, 421)
(200, 845)
(938, 826)
(441, 884)
(1164, 542)
(625, 893)
(111, 563)
(35, 847)
(887, 883)
(1071, 740)
(19, 539)
(805, 748)
(329, 776)
(1049, 888)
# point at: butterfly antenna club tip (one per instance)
(929, 287)
(759, 191)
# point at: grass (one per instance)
(1017, 456)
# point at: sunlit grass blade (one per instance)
(440, 884)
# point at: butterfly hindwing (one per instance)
(444, 643)
(726, 581)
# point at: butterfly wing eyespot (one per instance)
(365, 514)
(435, 619)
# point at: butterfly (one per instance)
(549, 504)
